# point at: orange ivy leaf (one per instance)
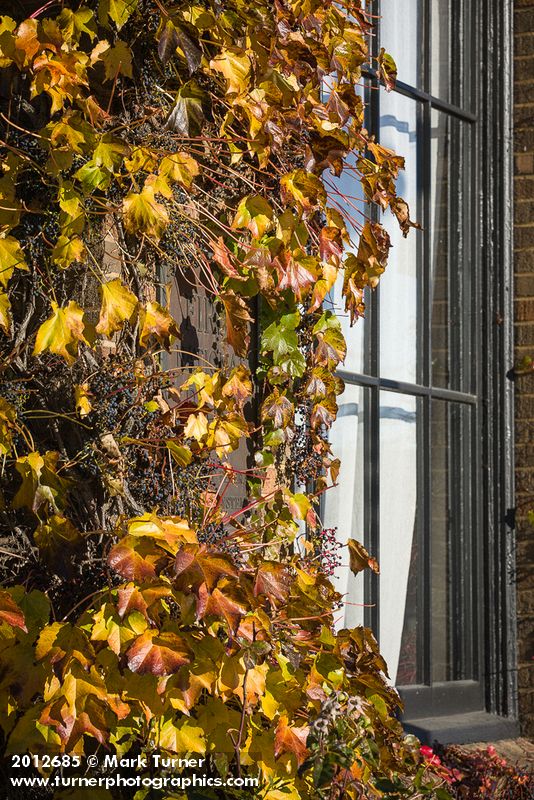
(237, 322)
(273, 580)
(196, 565)
(288, 739)
(134, 559)
(157, 654)
(11, 613)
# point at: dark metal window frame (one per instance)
(493, 691)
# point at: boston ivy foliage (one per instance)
(144, 141)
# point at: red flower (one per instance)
(426, 751)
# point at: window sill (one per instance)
(475, 726)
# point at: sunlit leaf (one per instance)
(157, 653)
(63, 331)
(11, 258)
(118, 305)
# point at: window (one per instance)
(414, 429)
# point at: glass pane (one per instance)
(398, 524)
(450, 46)
(398, 287)
(345, 194)
(451, 253)
(400, 34)
(347, 440)
(451, 602)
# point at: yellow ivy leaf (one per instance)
(117, 58)
(41, 485)
(143, 214)
(234, 64)
(118, 305)
(11, 257)
(179, 167)
(56, 534)
(141, 158)
(8, 415)
(182, 737)
(82, 400)
(119, 11)
(62, 332)
(156, 321)
(67, 250)
(5, 313)
(303, 189)
(196, 426)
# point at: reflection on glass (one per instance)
(400, 34)
(398, 512)
(451, 602)
(451, 273)
(343, 507)
(345, 194)
(450, 48)
(398, 288)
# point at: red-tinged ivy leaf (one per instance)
(273, 580)
(279, 409)
(354, 303)
(290, 739)
(400, 208)
(118, 305)
(365, 268)
(387, 69)
(187, 115)
(138, 598)
(359, 558)
(331, 345)
(324, 413)
(228, 604)
(157, 653)
(134, 559)
(238, 387)
(223, 257)
(174, 35)
(295, 274)
(11, 613)
(237, 322)
(330, 244)
(156, 321)
(196, 565)
(168, 41)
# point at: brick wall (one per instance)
(524, 342)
